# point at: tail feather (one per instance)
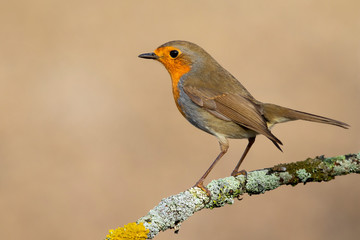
(277, 114)
(277, 144)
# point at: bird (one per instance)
(213, 100)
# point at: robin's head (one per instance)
(178, 57)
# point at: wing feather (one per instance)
(231, 107)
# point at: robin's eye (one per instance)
(174, 53)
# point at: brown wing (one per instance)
(232, 107)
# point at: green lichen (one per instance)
(199, 194)
(223, 192)
(285, 177)
(170, 212)
(319, 168)
(303, 175)
(345, 166)
(332, 160)
(260, 181)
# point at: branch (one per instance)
(172, 211)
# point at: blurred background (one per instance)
(90, 138)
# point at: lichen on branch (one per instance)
(172, 211)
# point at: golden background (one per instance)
(90, 138)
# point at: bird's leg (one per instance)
(236, 171)
(224, 145)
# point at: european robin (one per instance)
(213, 100)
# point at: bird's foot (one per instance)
(237, 173)
(200, 184)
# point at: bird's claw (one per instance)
(237, 173)
(202, 187)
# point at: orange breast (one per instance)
(175, 77)
(176, 69)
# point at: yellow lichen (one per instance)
(131, 231)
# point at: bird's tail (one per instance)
(277, 114)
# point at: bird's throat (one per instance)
(176, 72)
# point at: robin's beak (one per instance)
(149, 56)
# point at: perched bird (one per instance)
(211, 99)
